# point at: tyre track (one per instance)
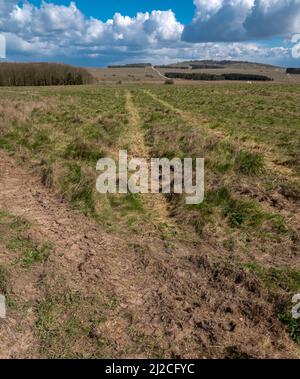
(197, 122)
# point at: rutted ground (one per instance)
(238, 175)
(156, 205)
(158, 292)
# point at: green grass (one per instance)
(292, 325)
(128, 203)
(67, 322)
(3, 280)
(237, 212)
(283, 278)
(30, 252)
(5, 286)
(24, 253)
(237, 173)
(264, 115)
(19, 224)
(66, 136)
(81, 149)
(14, 234)
(243, 213)
(36, 255)
(249, 163)
(79, 125)
(221, 157)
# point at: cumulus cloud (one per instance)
(67, 22)
(273, 18)
(240, 20)
(64, 30)
(60, 32)
(6, 6)
(221, 20)
(146, 29)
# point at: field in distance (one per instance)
(118, 276)
(148, 75)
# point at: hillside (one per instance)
(147, 74)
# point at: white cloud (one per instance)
(221, 22)
(6, 6)
(146, 29)
(273, 18)
(222, 51)
(20, 47)
(63, 32)
(65, 21)
(206, 8)
(239, 20)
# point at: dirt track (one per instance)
(176, 296)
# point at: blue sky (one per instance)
(184, 9)
(97, 33)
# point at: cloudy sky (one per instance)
(86, 32)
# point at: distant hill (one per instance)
(197, 64)
(183, 70)
(220, 64)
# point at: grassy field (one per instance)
(243, 241)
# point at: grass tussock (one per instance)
(282, 278)
(15, 236)
(67, 325)
(249, 163)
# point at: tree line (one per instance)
(209, 77)
(42, 74)
(293, 71)
(173, 67)
(208, 66)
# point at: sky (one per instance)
(98, 33)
